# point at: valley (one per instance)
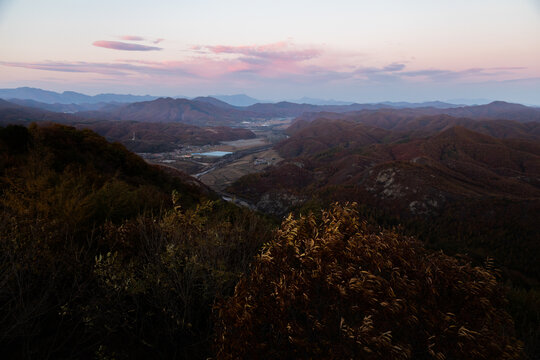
(220, 178)
(220, 165)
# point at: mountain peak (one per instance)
(213, 101)
(237, 99)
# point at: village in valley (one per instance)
(220, 165)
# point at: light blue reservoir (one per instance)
(214, 153)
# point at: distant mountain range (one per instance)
(11, 113)
(465, 101)
(68, 97)
(315, 101)
(404, 104)
(495, 110)
(392, 104)
(239, 100)
(66, 108)
(136, 136)
(204, 111)
(210, 111)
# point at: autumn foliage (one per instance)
(99, 261)
(336, 287)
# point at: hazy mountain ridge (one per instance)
(216, 111)
(11, 113)
(214, 101)
(177, 110)
(498, 110)
(405, 104)
(404, 126)
(149, 137)
(237, 100)
(68, 97)
(66, 108)
(210, 111)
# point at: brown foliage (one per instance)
(334, 288)
(156, 287)
(450, 178)
(97, 260)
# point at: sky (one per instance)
(351, 50)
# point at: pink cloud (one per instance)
(277, 51)
(447, 75)
(132, 38)
(199, 67)
(207, 68)
(118, 45)
(157, 41)
(275, 62)
(280, 59)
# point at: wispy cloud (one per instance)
(132, 38)
(283, 50)
(118, 69)
(280, 62)
(394, 67)
(448, 75)
(274, 60)
(118, 45)
(240, 68)
(140, 38)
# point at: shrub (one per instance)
(157, 285)
(337, 288)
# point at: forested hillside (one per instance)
(103, 255)
(471, 190)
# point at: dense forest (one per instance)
(103, 256)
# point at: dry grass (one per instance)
(222, 178)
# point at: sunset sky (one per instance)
(361, 51)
